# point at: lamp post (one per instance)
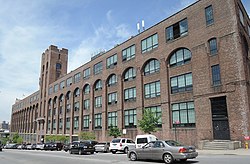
(175, 130)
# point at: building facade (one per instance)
(192, 69)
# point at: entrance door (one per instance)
(221, 129)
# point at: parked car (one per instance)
(40, 146)
(102, 147)
(121, 144)
(53, 146)
(29, 147)
(81, 147)
(168, 151)
(11, 146)
(33, 147)
(142, 140)
(66, 147)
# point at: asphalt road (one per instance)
(54, 157)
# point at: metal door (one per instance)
(221, 130)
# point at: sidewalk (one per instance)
(225, 152)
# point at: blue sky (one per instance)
(84, 27)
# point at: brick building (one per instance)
(191, 68)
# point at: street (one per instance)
(9, 156)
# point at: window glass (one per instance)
(180, 57)
(209, 15)
(216, 75)
(149, 43)
(177, 30)
(181, 83)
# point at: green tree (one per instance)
(114, 131)
(149, 121)
(86, 136)
(19, 140)
(15, 137)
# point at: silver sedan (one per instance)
(168, 151)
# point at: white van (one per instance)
(141, 140)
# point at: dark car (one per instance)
(66, 147)
(168, 151)
(82, 147)
(53, 146)
(33, 147)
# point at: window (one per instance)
(216, 75)
(130, 118)
(130, 94)
(157, 113)
(77, 92)
(69, 81)
(86, 89)
(112, 98)
(49, 124)
(98, 101)
(76, 122)
(58, 66)
(86, 122)
(177, 30)
(54, 124)
(183, 114)
(152, 89)
(62, 85)
(60, 110)
(98, 68)
(68, 108)
(112, 119)
(249, 30)
(149, 43)
(128, 53)
(86, 104)
(213, 46)
(56, 88)
(241, 17)
(151, 67)
(181, 83)
(50, 90)
(180, 57)
(77, 77)
(112, 80)
(98, 121)
(209, 15)
(68, 123)
(112, 61)
(130, 74)
(76, 106)
(86, 73)
(60, 123)
(98, 85)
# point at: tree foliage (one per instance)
(149, 122)
(114, 131)
(86, 136)
(56, 138)
(15, 137)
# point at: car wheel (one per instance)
(92, 152)
(113, 152)
(80, 152)
(126, 150)
(70, 152)
(133, 156)
(168, 158)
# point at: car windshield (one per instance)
(102, 143)
(173, 143)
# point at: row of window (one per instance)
(180, 83)
(172, 32)
(183, 115)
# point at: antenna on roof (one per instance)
(138, 27)
(142, 24)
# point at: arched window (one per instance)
(112, 80)
(77, 92)
(61, 98)
(130, 74)
(180, 57)
(68, 95)
(58, 66)
(152, 66)
(98, 85)
(86, 89)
